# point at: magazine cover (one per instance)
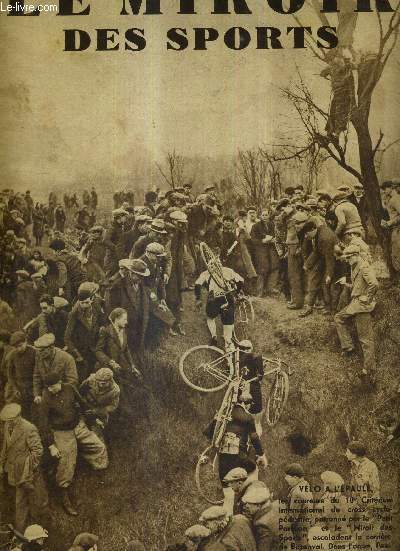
(199, 275)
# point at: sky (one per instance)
(74, 116)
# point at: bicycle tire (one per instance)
(244, 319)
(207, 477)
(277, 398)
(222, 417)
(195, 375)
(214, 267)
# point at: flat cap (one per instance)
(236, 474)
(332, 479)
(60, 302)
(87, 289)
(23, 273)
(300, 217)
(178, 215)
(197, 531)
(155, 248)
(339, 195)
(57, 245)
(17, 338)
(345, 188)
(119, 212)
(294, 469)
(158, 226)
(143, 218)
(86, 539)
(256, 493)
(9, 412)
(45, 341)
(103, 374)
(213, 513)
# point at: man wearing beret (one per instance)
(64, 431)
(298, 502)
(264, 514)
(82, 332)
(20, 364)
(20, 459)
(50, 359)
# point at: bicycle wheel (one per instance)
(206, 476)
(206, 368)
(222, 417)
(276, 397)
(214, 267)
(244, 319)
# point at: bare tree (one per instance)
(173, 171)
(356, 108)
(252, 172)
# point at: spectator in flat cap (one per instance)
(20, 364)
(364, 472)
(264, 515)
(232, 532)
(20, 460)
(64, 431)
(52, 319)
(157, 234)
(82, 332)
(87, 541)
(299, 502)
(49, 359)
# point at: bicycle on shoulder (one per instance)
(225, 291)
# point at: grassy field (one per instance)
(149, 491)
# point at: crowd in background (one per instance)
(82, 300)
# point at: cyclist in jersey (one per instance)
(252, 369)
(235, 450)
(220, 301)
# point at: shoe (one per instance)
(348, 353)
(66, 503)
(307, 312)
(180, 330)
(213, 341)
(294, 307)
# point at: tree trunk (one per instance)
(371, 182)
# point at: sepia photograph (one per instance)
(199, 275)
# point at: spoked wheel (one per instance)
(207, 479)
(222, 417)
(244, 319)
(214, 267)
(275, 397)
(206, 368)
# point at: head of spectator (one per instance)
(178, 199)
(53, 383)
(57, 245)
(154, 252)
(358, 190)
(252, 213)
(37, 255)
(21, 245)
(87, 541)
(299, 219)
(86, 294)
(120, 216)
(241, 214)
(46, 303)
(187, 188)
(150, 198)
(157, 231)
(351, 254)
(355, 451)
(143, 223)
(11, 414)
(227, 222)
(44, 346)
(194, 535)
(96, 233)
(209, 204)
(138, 270)
(333, 482)
(256, 498)
(215, 519)
(135, 545)
(281, 204)
(294, 473)
(245, 348)
(36, 534)
(119, 318)
(178, 219)
(265, 216)
(235, 479)
(19, 341)
(289, 191)
(298, 193)
(104, 379)
(310, 229)
(339, 197)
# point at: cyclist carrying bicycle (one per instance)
(252, 369)
(235, 450)
(220, 300)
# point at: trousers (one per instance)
(296, 276)
(31, 502)
(363, 322)
(68, 442)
